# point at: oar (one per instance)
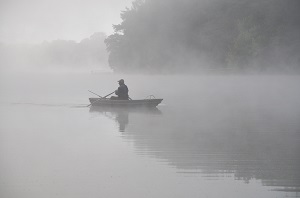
(109, 94)
(100, 98)
(95, 94)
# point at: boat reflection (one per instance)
(121, 114)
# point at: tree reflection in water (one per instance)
(248, 144)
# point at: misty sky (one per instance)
(33, 21)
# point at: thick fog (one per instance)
(35, 21)
(152, 36)
(227, 72)
(51, 35)
(58, 55)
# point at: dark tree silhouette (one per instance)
(188, 35)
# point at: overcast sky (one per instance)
(33, 21)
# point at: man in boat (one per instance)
(121, 92)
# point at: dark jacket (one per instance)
(122, 92)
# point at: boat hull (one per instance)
(125, 103)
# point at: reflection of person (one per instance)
(121, 92)
(122, 119)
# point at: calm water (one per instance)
(213, 136)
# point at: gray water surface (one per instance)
(213, 136)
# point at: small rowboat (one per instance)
(125, 103)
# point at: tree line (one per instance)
(90, 52)
(206, 35)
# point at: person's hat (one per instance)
(121, 81)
